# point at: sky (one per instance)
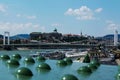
(91, 17)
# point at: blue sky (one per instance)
(92, 17)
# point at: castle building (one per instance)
(51, 37)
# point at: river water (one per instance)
(104, 72)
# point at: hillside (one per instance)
(110, 36)
(20, 36)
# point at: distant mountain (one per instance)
(110, 36)
(20, 36)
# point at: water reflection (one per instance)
(21, 77)
(12, 66)
(29, 64)
(43, 71)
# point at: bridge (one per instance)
(46, 46)
(50, 46)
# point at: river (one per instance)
(104, 72)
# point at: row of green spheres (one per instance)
(90, 67)
(43, 66)
(18, 57)
(27, 72)
(66, 61)
(30, 60)
(14, 61)
(14, 56)
(11, 61)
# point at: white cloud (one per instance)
(19, 28)
(31, 17)
(83, 13)
(112, 26)
(56, 25)
(18, 15)
(109, 22)
(28, 25)
(98, 10)
(69, 12)
(26, 16)
(3, 8)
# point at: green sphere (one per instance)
(24, 71)
(92, 66)
(13, 62)
(94, 62)
(62, 62)
(40, 58)
(69, 77)
(68, 60)
(118, 76)
(44, 66)
(4, 57)
(84, 69)
(29, 60)
(16, 56)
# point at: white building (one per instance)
(115, 38)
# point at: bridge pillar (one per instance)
(8, 38)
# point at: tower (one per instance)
(81, 34)
(55, 30)
(4, 38)
(115, 38)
